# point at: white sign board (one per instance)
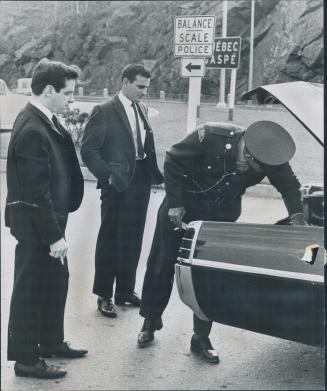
(194, 35)
(192, 67)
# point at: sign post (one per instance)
(194, 37)
(198, 81)
(194, 69)
(226, 55)
(232, 95)
(192, 104)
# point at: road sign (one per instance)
(194, 35)
(226, 53)
(192, 67)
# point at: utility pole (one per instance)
(221, 102)
(251, 47)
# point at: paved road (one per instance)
(249, 361)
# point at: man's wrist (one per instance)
(57, 241)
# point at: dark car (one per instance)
(262, 277)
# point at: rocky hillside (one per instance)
(102, 37)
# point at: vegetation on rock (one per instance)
(103, 36)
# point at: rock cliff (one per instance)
(102, 37)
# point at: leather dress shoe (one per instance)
(146, 336)
(40, 370)
(203, 346)
(106, 307)
(62, 350)
(132, 299)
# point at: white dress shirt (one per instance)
(48, 113)
(127, 103)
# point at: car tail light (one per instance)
(186, 249)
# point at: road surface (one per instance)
(249, 361)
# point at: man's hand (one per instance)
(176, 215)
(59, 249)
(298, 219)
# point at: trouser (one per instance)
(201, 327)
(37, 303)
(159, 276)
(119, 242)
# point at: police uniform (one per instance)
(201, 175)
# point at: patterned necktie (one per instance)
(57, 125)
(140, 150)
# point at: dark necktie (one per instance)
(57, 125)
(140, 150)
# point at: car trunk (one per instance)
(263, 278)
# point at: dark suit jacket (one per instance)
(44, 179)
(108, 148)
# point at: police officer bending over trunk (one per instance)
(206, 175)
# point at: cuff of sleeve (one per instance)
(105, 178)
(47, 226)
(175, 203)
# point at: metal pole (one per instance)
(221, 102)
(197, 83)
(251, 47)
(232, 95)
(193, 100)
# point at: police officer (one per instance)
(206, 174)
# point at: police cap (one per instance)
(269, 143)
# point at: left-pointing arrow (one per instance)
(190, 67)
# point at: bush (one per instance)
(75, 124)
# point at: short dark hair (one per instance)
(132, 70)
(53, 73)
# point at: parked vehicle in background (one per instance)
(10, 105)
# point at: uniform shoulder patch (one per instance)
(201, 133)
(222, 128)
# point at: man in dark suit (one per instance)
(206, 175)
(45, 183)
(118, 148)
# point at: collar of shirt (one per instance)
(124, 100)
(127, 103)
(48, 113)
(42, 108)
